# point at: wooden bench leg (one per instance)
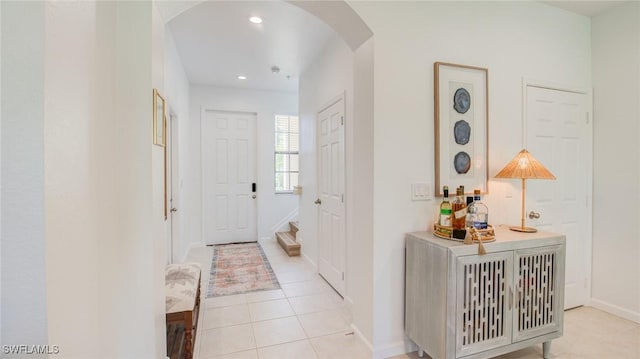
(188, 334)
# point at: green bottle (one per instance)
(445, 208)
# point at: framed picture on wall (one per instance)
(461, 95)
(159, 126)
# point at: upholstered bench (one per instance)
(182, 283)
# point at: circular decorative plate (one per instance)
(462, 132)
(461, 100)
(462, 162)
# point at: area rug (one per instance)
(240, 268)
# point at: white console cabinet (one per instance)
(463, 305)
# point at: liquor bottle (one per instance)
(459, 209)
(477, 213)
(445, 209)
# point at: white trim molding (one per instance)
(393, 349)
(529, 82)
(284, 222)
(615, 310)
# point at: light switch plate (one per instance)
(421, 191)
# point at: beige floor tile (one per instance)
(277, 331)
(249, 354)
(412, 355)
(296, 276)
(225, 301)
(299, 289)
(346, 313)
(226, 340)
(272, 309)
(294, 350)
(314, 303)
(226, 316)
(265, 295)
(292, 266)
(588, 334)
(340, 346)
(279, 256)
(323, 323)
(270, 246)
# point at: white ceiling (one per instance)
(586, 8)
(217, 42)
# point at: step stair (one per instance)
(287, 240)
(294, 228)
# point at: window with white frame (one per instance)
(287, 153)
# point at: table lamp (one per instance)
(524, 166)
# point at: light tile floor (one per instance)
(306, 319)
(588, 334)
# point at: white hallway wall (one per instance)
(616, 82)
(272, 208)
(339, 70)
(85, 83)
(330, 75)
(177, 89)
(24, 302)
(513, 40)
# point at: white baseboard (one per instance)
(283, 224)
(358, 333)
(191, 246)
(393, 349)
(615, 310)
(349, 303)
(398, 348)
(306, 258)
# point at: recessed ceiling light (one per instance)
(256, 20)
(242, 77)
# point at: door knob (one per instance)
(318, 201)
(253, 196)
(534, 215)
(174, 209)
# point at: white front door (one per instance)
(557, 135)
(331, 221)
(228, 174)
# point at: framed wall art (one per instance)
(461, 127)
(159, 128)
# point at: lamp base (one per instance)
(523, 229)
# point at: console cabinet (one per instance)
(460, 304)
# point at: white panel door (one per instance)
(557, 135)
(228, 172)
(331, 222)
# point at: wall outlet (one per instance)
(509, 193)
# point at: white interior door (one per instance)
(228, 172)
(331, 220)
(557, 135)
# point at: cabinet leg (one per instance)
(420, 353)
(546, 347)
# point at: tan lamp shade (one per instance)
(524, 166)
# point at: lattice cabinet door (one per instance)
(539, 297)
(483, 302)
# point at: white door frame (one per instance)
(330, 103)
(203, 111)
(528, 82)
(173, 187)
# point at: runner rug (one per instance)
(240, 268)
